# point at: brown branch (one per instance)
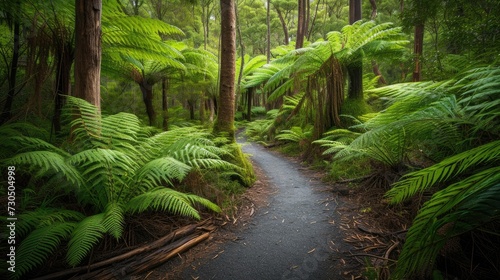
(186, 230)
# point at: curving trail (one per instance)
(295, 237)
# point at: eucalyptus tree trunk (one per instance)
(225, 113)
(283, 24)
(88, 50)
(268, 37)
(375, 67)
(355, 69)
(301, 24)
(418, 50)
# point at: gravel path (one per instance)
(295, 237)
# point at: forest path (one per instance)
(296, 236)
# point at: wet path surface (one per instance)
(295, 237)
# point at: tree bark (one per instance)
(355, 69)
(268, 37)
(301, 24)
(88, 50)
(225, 113)
(418, 51)
(283, 24)
(354, 11)
(374, 9)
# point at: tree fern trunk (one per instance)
(147, 97)
(64, 59)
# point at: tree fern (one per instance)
(112, 166)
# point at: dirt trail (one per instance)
(295, 237)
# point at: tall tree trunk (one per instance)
(355, 69)
(64, 60)
(268, 37)
(310, 31)
(147, 97)
(88, 50)
(374, 9)
(375, 68)
(418, 51)
(242, 56)
(283, 25)
(164, 102)
(354, 11)
(225, 114)
(202, 107)
(250, 92)
(301, 24)
(7, 109)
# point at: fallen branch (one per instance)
(153, 259)
(186, 230)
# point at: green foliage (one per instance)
(462, 114)
(112, 167)
(315, 74)
(296, 134)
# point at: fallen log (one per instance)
(153, 259)
(175, 235)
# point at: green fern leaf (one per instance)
(418, 181)
(163, 199)
(47, 163)
(160, 170)
(114, 219)
(86, 234)
(464, 205)
(40, 244)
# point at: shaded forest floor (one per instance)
(372, 230)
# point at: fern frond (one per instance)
(106, 173)
(295, 134)
(46, 163)
(43, 217)
(455, 210)
(114, 219)
(163, 199)
(418, 181)
(158, 171)
(24, 143)
(40, 244)
(86, 234)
